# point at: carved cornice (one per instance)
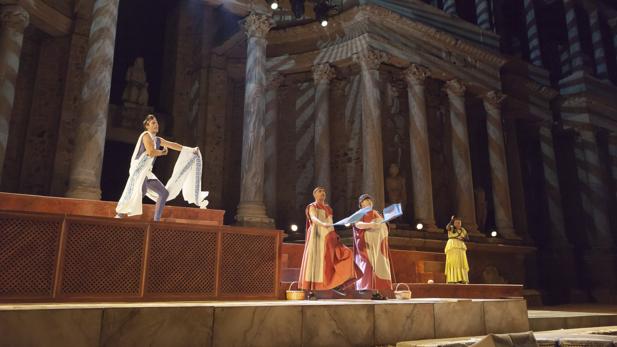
(417, 74)
(494, 98)
(370, 59)
(323, 73)
(257, 25)
(455, 87)
(14, 17)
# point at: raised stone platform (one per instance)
(258, 323)
(105, 209)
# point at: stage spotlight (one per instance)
(347, 225)
(324, 23)
(493, 233)
(274, 5)
(430, 282)
(297, 7)
(419, 226)
(294, 227)
(321, 11)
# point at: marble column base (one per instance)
(84, 192)
(253, 213)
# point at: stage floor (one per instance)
(340, 322)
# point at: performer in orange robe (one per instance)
(326, 263)
(371, 251)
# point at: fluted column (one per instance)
(533, 35)
(552, 189)
(449, 7)
(461, 157)
(251, 210)
(577, 62)
(483, 14)
(372, 146)
(271, 125)
(499, 169)
(322, 74)
(13, 21)
(85, 175)
(599, 55)
(419, 145)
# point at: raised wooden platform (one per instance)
(105, 209)
(60, 258)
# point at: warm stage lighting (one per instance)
(274, 5)
(419, 226)
(324, 23)
(493, 233)
(294, 227)
(347, 225)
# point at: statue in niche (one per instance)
(481, 208)
(136, 90)
(395, 186)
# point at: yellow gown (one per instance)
(457, 268)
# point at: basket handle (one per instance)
(291, 284)
(398, 284)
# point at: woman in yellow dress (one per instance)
(457, 268)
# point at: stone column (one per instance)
(85, 174)
(599, 55)
(322, 74)
(419, 145)
(372, 146)
(612, 150)
(449, 7)
(577, 62)
(251, 210)
(271, 125)
(552, 189)
(499, 169)
(461, 157)
(613, 29)
(483, 14)
(533, 35)
(592, 178)
(13, 21)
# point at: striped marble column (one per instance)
(533, 36)
(552, 189)
(85, 174)
(499, 169)
(612, 150)
(483, 14)
(564, 59)
(599, 55)
(461, 157)
(322, 75)
(419, 147)
(13, 21)
(449, 7)
(613, 32)
(372, 146)
(577, 62)
(594, 196)
(271, 125)
(251, 209)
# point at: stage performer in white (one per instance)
(142, 182)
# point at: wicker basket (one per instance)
(294, 294)
(402, 294)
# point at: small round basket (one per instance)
(291, 294)
(402, 294)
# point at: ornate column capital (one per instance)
(14, 16)
(455, 87)
(417, 74)
(494, 98)
(275, 79)
(257, 25)
(323, 73)
(370, 59)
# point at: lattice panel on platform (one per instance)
(181, 262)
(28, 254)
(248, 264)
(103, 259)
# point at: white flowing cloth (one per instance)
(186, 177)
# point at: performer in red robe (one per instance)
(371, 251)
(326, 263)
